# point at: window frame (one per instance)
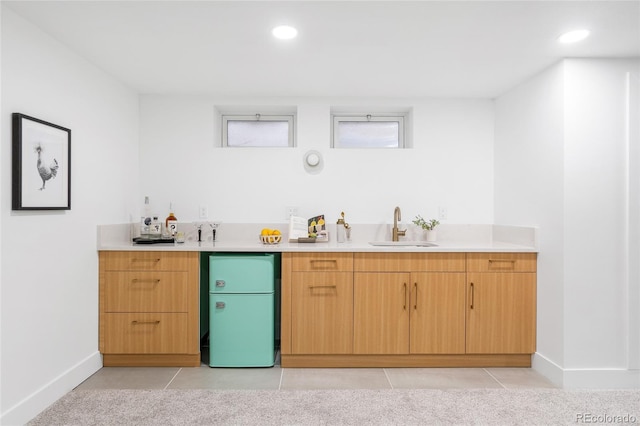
(336, 118)
(289, 118)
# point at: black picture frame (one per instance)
(41, 164)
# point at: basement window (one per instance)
(368, 131)
(258, 130)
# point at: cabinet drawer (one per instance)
(146, 260)
(501, 262)
(146, 291)
(405, 262)
(323, 262)
(145, 333)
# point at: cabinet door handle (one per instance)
(154, 322)
(415, 302)
(472, 296)
(152, 281)
(405, 297)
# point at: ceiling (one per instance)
(344, 48)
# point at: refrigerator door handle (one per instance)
(220, 305)
(220, 283)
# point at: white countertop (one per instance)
(244, 238)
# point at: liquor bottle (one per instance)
(155, 228)
(145, 221)
(171, 222)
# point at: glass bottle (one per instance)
(171, 222)
(145, 221)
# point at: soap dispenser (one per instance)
(341, 229)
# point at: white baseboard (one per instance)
(548, 369)
(574, 378)
(35, 403)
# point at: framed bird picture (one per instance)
(41, 165)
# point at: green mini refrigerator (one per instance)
(241, 310)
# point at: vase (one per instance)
(430, 236)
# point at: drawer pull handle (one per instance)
(502, 264)
(157, 259)
(323, 286)
(152, 281)
(135, 322)
(322, 264)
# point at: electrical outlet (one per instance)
(203, 212)
(291, 211)
(442, 213)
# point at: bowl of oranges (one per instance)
(270, 236)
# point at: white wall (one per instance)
(49, 274)
(564, 161)
(529, 172)
(450, 164)
(595, 214)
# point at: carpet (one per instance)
(343, 407)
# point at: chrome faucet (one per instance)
(395, 233)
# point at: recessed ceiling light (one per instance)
(573, 36)
(284, 32)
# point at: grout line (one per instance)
(174, 376)
(387, 376)
(281, 377)
(494, 378)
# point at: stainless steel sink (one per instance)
(403, 244)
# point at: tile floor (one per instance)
(204, 377)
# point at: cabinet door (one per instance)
(437, 313)
(501, 313)
(322, 313)
(381, 313)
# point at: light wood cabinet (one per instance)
(381, 313)
(375, 309)
(437, 313)
(317, 303)
(501, 303)
(322, 315)
(409, 312)
(149, 308)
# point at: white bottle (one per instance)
(340, 230)
(145, 220)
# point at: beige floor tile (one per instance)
(227, 378)
(440, 378)
(130, 378)
(520, 378)
(333, 378)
